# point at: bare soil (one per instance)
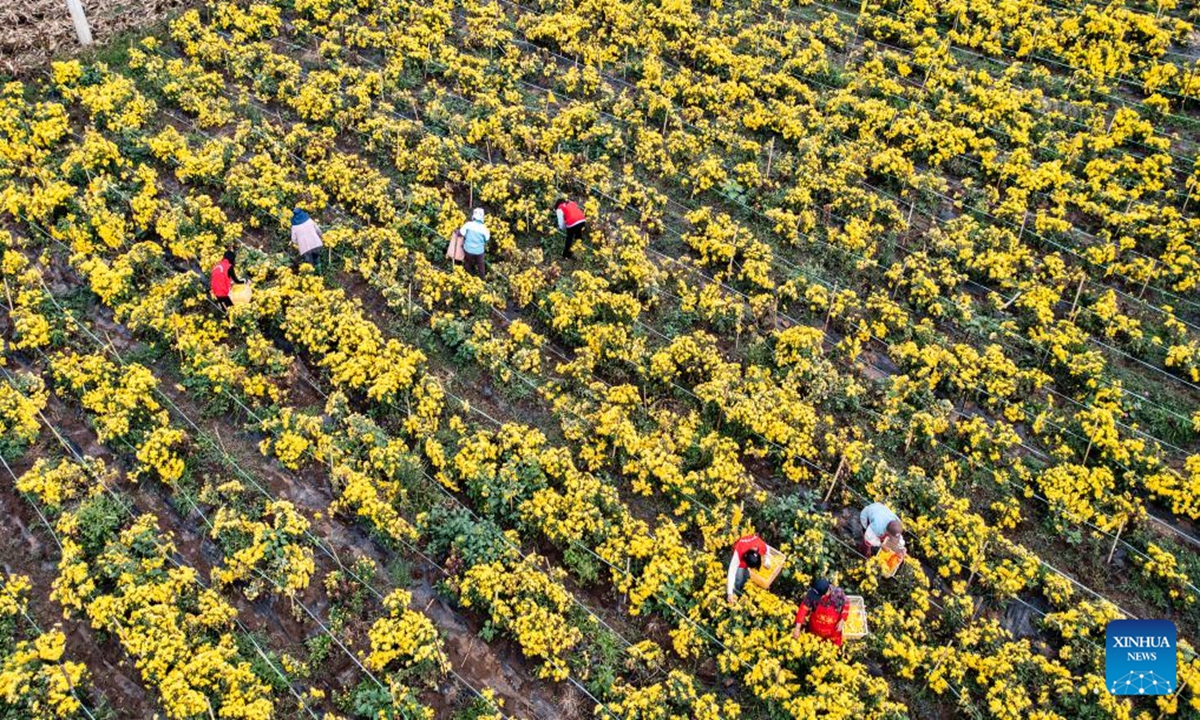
(34, 31)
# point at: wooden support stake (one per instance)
(770, 157)
(82, 30)
(1116, 540)
(1153, 266)
(829, 313)
(836, 474)
(11, 306)
(627, 574)
(1078, 290)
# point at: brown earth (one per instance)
(33, 31)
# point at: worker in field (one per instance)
(880, 525)
(306, 236)
(475, 239)
(749, 553)
(223, 276)
(571, 220)
(823, 612)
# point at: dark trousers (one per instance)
(573, 233)
(312, 257)
(225, 302)
(739, 581)
(474, 264)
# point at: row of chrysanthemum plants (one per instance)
(676, 678)
(266, 544)
(358, 360)
(40, 676)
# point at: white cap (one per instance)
(477, 215)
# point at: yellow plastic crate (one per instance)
(240, 294)
(775, 560)
(893, 557)
(891, 562)
(855, 627)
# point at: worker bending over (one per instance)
(223, 277)
(306, 236)
(879, 523)
(749, 553)
(571, 220)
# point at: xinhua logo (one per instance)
(1139, 657)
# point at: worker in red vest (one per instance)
(823, 612)
(223, 277)
(749, 554)
(571, 221)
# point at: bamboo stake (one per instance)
(836, 474)
(829, 312)
(1078, 290)
(1116, 540)
(1011, 301)
(1153, 265)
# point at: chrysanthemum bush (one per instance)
(118, 573)
(38, 680)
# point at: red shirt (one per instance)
(750, 542)
(219, 283)
(823, 622)
(572, 215)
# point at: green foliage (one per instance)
(582, 564)
(807, 532)
(455, 531)
(499, 495)
(99, 520)
(319, 647)
(263, 661)
(370, 701)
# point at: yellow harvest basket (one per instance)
(240, 294)
(772, 564)
(855, 627)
